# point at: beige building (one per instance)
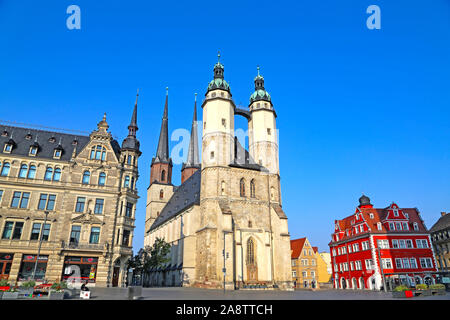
(440, 235)
(324, 267)
(304, 264)
(226, 215)
(78, 194)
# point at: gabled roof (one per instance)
(442, 224)
(379, 215)
(297, 247)
(185, 196)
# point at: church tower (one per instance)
(192, 163)
(218, 121)
(161, 188)
(263, 140)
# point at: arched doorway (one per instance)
(354, 285)
(418, 280)
(428, 280)
(252, 268)
(116, 273)
(361, 283)
(343, 283)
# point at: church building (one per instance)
(225, 222)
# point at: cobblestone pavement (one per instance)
(206, 294)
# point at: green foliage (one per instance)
(437, 286)
(3, 282)
(29, 284)
(158, 254)
(59, 286)
(401, 288)
(421, 286)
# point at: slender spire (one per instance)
(132, 128)
(162, 153)
(192, 157)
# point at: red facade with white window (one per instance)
(374, 247)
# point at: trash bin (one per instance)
(134, 292)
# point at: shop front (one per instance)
(5, 264)
(27, 267)
(80, 269)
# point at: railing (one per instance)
(84, 246)
(126, 220)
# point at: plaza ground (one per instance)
(178, 293)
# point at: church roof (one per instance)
(48, 141)
(185, 196)
(243, 159)
(192, 160)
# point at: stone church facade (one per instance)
(78, 194)
(225, 221)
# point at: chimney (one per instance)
(443, 214)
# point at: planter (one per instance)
(25, 293)
(402, 294)
(10, 295)
(423, 293)
(438, 292)
(56, 295)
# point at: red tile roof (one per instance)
(296, 247)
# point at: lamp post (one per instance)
(40, 244)
(381, 269)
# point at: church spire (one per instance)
(162, 153)
(192, 161)
(161, 168)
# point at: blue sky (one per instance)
(359, 110)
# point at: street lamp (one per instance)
(40, 244)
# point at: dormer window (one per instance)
(395, 213)
(8, 148)
(371, 216)
(52, 140)
(33, 151)
(98, 153)
(57, 154)
(4, 133)
(28, 136)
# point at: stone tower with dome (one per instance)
(225, 221)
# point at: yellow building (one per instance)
(305, 271)
(73, 194)
(323, 266)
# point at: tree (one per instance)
(158, 254)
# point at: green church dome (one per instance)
(260, 92)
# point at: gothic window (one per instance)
(23, 171)
(86, 177)
(163, 175)
(252, 188)
(249, 223)
(48, 174)
(161, 194)
(272, 193)
(132, 183)
(129, 159)
(101, 179)
(250, 251)
(242, 187)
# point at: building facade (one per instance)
(73, 194)
(224, 222)
(440, 235)
(374, 248)
(324, 267)
(304, 264)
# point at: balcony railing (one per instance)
(84, 246)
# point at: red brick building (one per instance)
(396, 236)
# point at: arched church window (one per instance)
(250, 251)
(252, 188)
(163, 175)
(242, 187)
(161, 193)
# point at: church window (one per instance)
(224, 122)
(242, 187)
(269, 131)
(213, 94)
(86, 177)
(212, 154)
(222, 191)
(161, 194)
(204, 125)
(252, 188)
(163, 175)
(250, 251)
(249, 223)
(272, 193)
(221, 94)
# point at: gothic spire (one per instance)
(192, 157)
(162, 153)
(130, 142)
